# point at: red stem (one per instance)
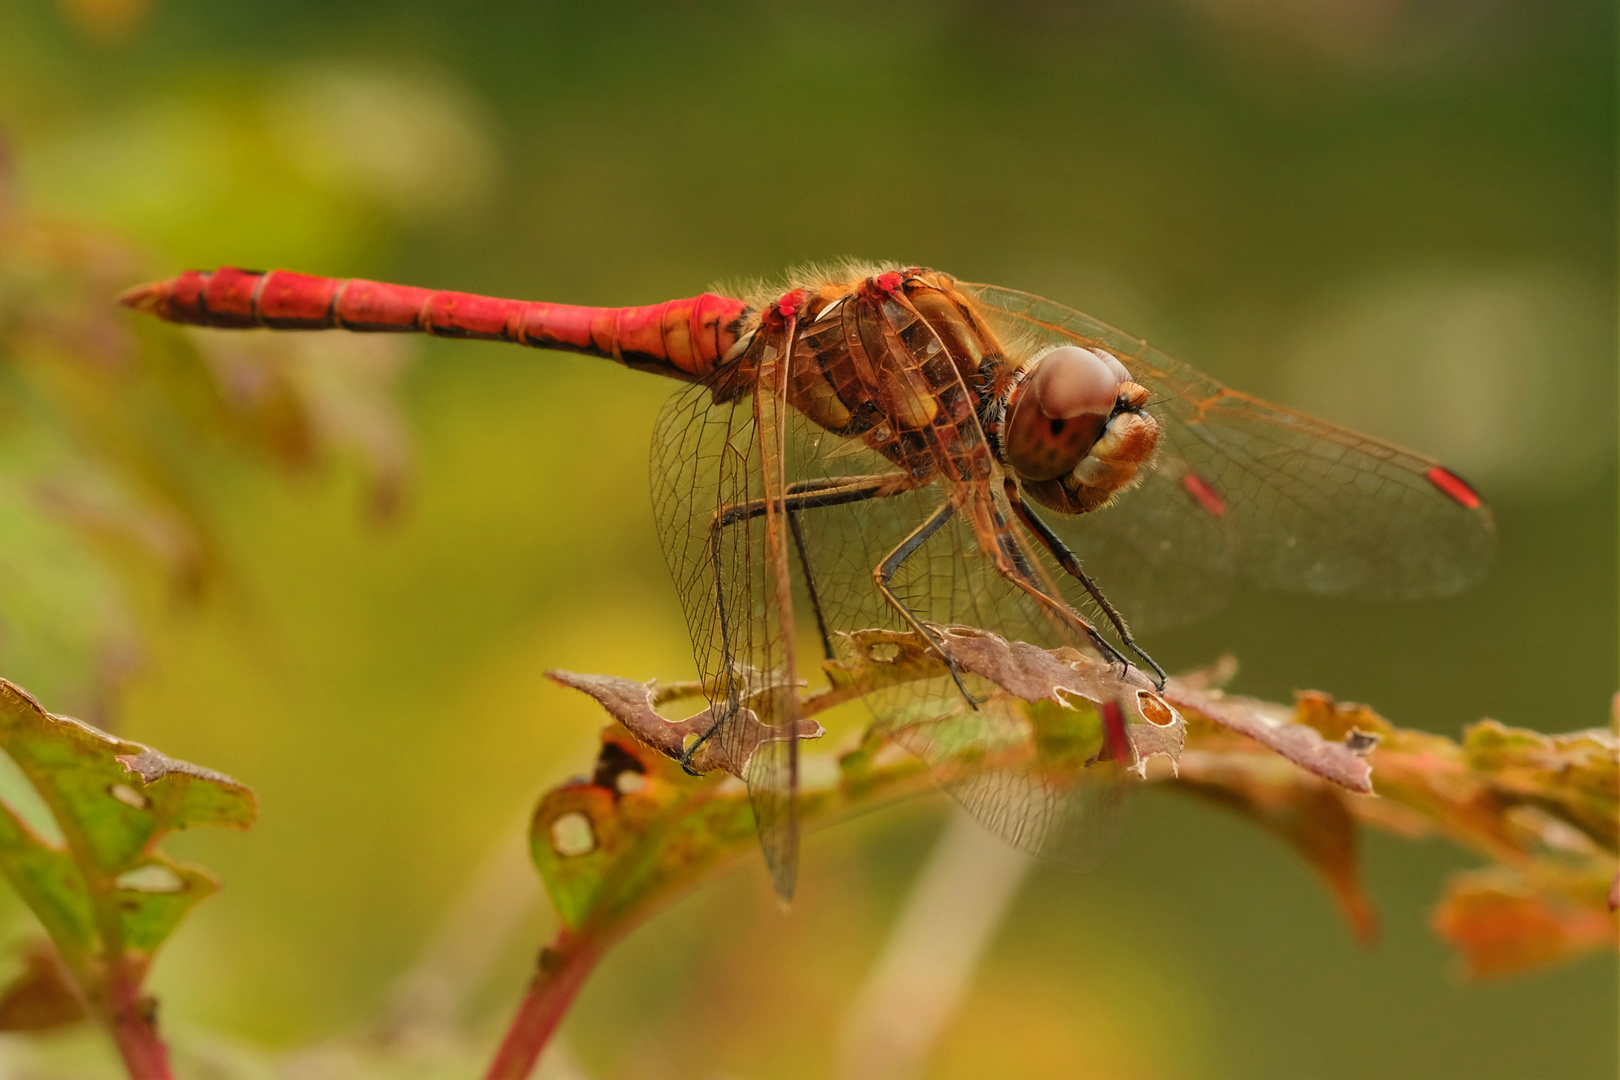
(564, 968)
(133, 1020)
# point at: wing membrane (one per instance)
(708, 458)
(1245, 488)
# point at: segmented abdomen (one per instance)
(684, 339)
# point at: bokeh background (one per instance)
(1399, 215)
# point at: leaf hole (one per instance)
(129, 796)
(151, 878)
(883, 652)
(1154, 709)
(572, 834)
(618, 770)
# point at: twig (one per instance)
(563, 969)
(133, 1020)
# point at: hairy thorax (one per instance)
(905, 361)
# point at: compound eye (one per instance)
(1059, 411)
(1113, 364)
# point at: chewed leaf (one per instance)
(1048, 740)
(633, 705)
(1340, 757)
(614, 842)
(105, 894)
(641, 829)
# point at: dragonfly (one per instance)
(891, 447)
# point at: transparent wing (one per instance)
(705, 459)
(1244, 488)
(708, 469)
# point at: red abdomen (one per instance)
(684, 339)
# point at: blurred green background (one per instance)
(1397, 214)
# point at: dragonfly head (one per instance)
(1076, 431)
(1058, 411)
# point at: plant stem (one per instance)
(563, 969)
(133, 1021)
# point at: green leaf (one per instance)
(105, 894)
(611, 844)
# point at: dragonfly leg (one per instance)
(1011, 564)
(884, 574)
(1071, 565)
(1023, 575)
(797, 532)
(800, 496)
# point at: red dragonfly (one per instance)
(917, 452)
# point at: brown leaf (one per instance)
(883, 658)
(1034, 675)
(1294, 737)
(41, 997)
(632, 704)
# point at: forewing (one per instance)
(1242, 487)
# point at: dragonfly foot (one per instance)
(1159, 678)
(956, 676)
(685, 760)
